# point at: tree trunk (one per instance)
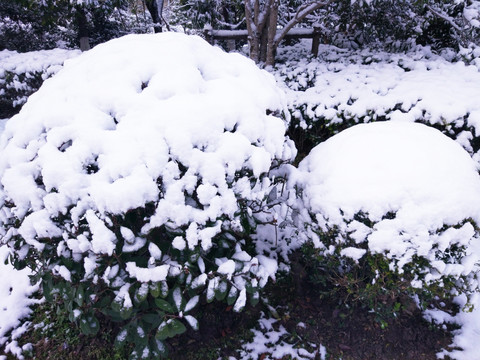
(253, 42)
(156, 13)
(262, 26)
(272, 32)
(82, 22)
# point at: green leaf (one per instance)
(192, 322)
(153, 318)
(140, 336)
(94, 324)
(141, 293)
(191, 303)
(254, 298)
(155, 289)
(134, 355)
(164, 289)
(221, 291)
(84, 327)
(117, 305)
(47, 285)
(89, 325)
(103, 302)
(212, 284)
(177, 327)
(69, 306)
(170, 328)
(126, 312)
(164, 306)
(178, 299)
(158, 348)
(232, 295)
(181, 278)
(163, 331)
(121, 338)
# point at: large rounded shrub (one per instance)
(131, 182)
(391, 209)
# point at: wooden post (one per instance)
(316, 39)
(84, 43)
(231, 45)
(208, 33)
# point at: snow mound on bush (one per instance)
(115, 120)
(408, 179)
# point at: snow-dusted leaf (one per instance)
(241, 301)
(178, 298)
(254, 298)
(221, 290)
(191, 303)
(141, 293)
(192, 322)
(212, 285)
(159, 350)
(121, 338)
(163, 331)
(200, 280)
(232, 295)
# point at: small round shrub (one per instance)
(390, 212)
(132, 182)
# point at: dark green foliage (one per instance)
(27, 25)
(14, 96)
(375, 282)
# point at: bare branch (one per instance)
(445, 17)
(302, 12)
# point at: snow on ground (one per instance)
(2, 124)
(269, 343)
(15, 301)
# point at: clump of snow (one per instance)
(15, 296)
(416, 187)
(465, 339)
(270, 342)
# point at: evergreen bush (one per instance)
(382, 225)
(145, 168)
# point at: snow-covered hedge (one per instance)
(342, 88)
(137, 173)
(392, 211)
(21, 74)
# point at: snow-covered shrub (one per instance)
(131, 181)
(341, 88)
(391, 211)
(21, 74)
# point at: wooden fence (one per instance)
(314, 33)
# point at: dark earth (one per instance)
(347, 333)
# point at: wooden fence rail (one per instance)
(314, 33)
